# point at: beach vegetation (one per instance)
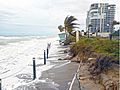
(98, 45)
(88, 47)
(104, 51)
(70, 39)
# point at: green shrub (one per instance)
(97, 45)
(69, 40)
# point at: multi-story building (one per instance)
(100, 17)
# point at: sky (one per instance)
(42, 17)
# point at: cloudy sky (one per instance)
(43, 16)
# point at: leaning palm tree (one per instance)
(70, 25)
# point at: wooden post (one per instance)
(47, 53)
(77, 36)
(0, 84)
(44, 58)
(34, 69)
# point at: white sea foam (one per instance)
(16, 60)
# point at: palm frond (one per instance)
(90, 25)
(115, 23)
(74, 24)
(71, 19)
(73, 27)
(66, 19)
(61, 28)
(72, 34)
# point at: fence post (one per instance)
(34, 69)
(0, 84)
(47, 53)
(44, 58)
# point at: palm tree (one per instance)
(114, 23)
(70, 25)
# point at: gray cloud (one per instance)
(46, 13)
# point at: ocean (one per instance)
(16, 58)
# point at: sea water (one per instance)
(16, 57)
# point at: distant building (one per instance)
(100, 16)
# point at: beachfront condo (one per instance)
(100, 16)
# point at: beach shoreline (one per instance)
(16, 61)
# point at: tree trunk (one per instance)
(66, 33)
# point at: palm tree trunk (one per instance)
(66, 33)
(88, 32)
(96, 33)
